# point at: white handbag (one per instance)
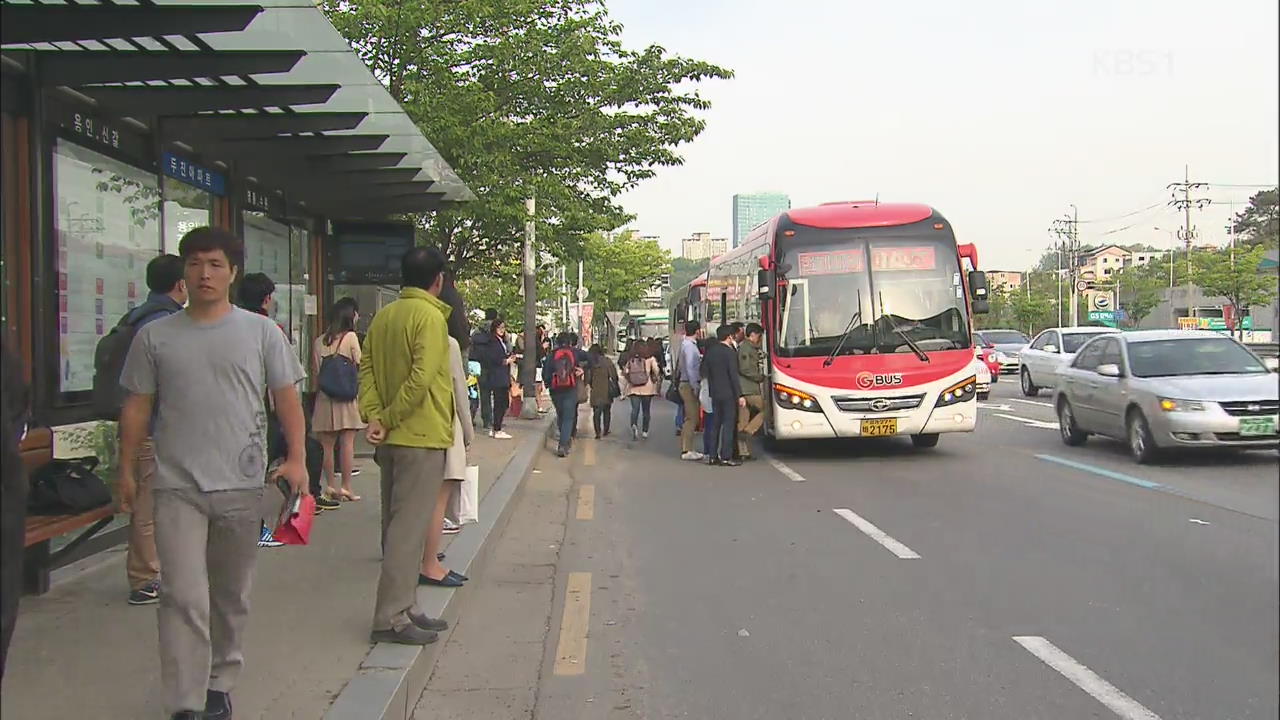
(469, 496)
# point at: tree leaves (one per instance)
(528, 98)
(1258, 223)
(618, 272)
(1238, 280)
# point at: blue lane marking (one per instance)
(1103, 472)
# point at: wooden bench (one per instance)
(38, 561)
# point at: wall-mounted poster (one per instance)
(107, 228)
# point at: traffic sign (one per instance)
(582, 293)
(1082, 285)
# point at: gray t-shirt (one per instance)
(210, 382)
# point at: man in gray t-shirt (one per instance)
(205, 373)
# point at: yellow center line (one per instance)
(586, 502)
(571, 652)
(589, 452)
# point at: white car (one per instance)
(983, 374)
(1051, 351)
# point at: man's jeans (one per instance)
(566, 404)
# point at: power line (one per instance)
(1229, 185)
(1128, 214)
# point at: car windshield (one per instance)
(1191, 356)
(1072, 342)
(911, 287)
(1005, 337)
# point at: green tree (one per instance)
(683, 271)
(1258, 224)
(506, 295)
(528, 97)
(619, 271)
(1142, 288)
(1236, 279)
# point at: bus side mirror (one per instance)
(764, 284)
(978, 292)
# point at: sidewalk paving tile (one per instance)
(308, 632)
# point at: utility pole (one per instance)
(1059, 278)
(529, 408)
(1188, 232)
(1068, 231)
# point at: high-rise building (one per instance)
(702, 246)
(751, 209)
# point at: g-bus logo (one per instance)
(865, 380)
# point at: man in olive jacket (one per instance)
(751, 368)
(406, 396)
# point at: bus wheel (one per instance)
(925, 441)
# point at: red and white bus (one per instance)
(866, 308)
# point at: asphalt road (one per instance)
(999, 575)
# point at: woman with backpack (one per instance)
(335, 360)
(495, 374)
(640, 375)
(602, 380)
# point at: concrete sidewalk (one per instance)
(82, 651)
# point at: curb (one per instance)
(392, 677)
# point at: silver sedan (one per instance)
(1160, 389)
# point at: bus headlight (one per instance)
(790, 398)
(960, 392)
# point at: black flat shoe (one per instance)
(446, 581)
(217, 705)
(459, 575)
(440, 556)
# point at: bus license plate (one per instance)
(1251, 427)
(881, 427)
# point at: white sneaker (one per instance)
(645, 434)
(500, 435)
(635, 432)
(692, 456)
(451, 528)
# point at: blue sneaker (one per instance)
(268, 540)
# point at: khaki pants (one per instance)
(750, 420)
(692, 409)
(142, 564)
(411, 480)
(208, 547)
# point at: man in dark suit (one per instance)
(720, 371)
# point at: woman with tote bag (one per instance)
(455, 458)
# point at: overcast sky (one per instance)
(1000, 114)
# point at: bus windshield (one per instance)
(832, 297)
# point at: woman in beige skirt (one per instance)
(335, 422)
(455, 458)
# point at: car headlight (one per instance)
(790, 398)
(958, 393)
(1172, 405)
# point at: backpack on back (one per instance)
(563, 363)
(338, 377)
(108, 362)
(637, 372)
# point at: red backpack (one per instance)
(563, 364)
